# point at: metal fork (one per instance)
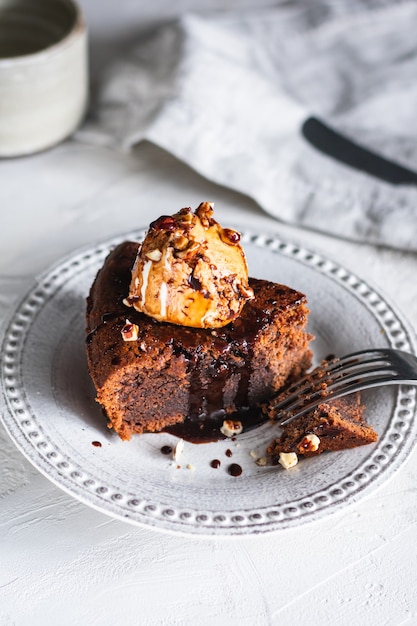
(340, 376)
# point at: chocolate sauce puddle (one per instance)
(207, 429)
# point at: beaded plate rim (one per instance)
(25, 428)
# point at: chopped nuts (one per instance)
(288, 459)
(246, 292)
(261, 461)
(231, 428)
(189, 251)
(205, 213)
(179, 241)
(185, 216)
(229, 236)
(309, 443)
(130, 331)
(154, 255)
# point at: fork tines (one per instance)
(335, 378)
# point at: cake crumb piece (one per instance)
(253, 454)
(340, 425)
(261, 461)
(288, 459)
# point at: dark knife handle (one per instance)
(346, 151)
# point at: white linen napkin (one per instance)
(227, 94)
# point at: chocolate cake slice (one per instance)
(335, 425)
(152, 376)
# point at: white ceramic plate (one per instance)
(53, 418)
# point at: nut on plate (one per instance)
(231, 428)
(288, 459)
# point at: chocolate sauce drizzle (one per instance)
(105, 319)
(206, 411)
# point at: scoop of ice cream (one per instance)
(190, 271)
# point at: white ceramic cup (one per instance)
(43, 74)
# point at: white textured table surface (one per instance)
(64, 563)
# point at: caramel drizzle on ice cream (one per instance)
(190, 271)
